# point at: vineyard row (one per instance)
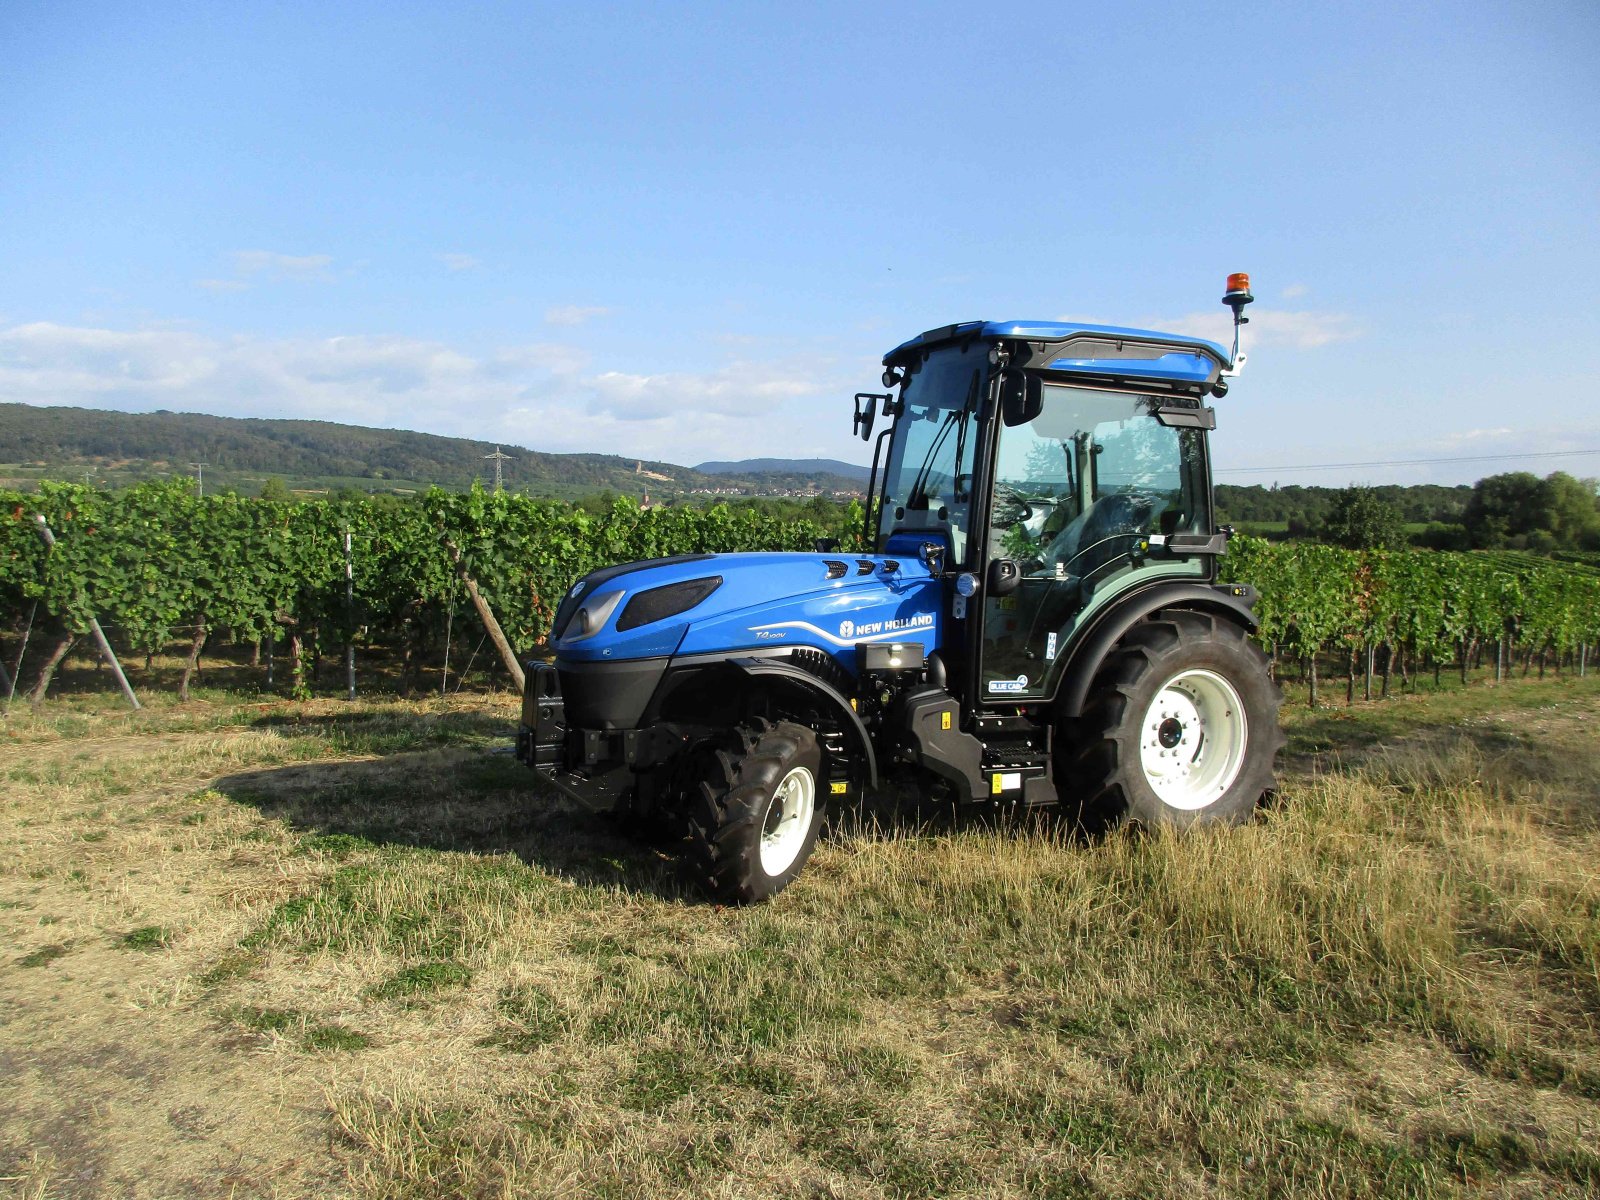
(156, 560)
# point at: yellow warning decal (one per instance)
(944, 720)
(839, 787)
(994, 785)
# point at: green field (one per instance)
(328, 949)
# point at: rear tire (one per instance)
(756, 812)
(1181, 728)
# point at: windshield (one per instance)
(928, 482)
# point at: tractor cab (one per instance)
(1050, 469)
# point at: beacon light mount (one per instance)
(1236, 295)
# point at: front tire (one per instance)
(1181, 728)
(756, 811)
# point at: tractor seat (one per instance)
(1110, 517)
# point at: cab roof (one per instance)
(1185, 358)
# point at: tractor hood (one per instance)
(728, 603)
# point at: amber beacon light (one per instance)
(1235, 297)
(1238, 294)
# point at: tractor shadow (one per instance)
(446, 782)
(443, 782)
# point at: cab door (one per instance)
(1078, 493)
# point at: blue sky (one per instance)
(691, 233)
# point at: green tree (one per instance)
(1505, 509)
(1573, 511)
(1361, 519)
(1518, 510)
(276, 490)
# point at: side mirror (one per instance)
(1003, 578)
(866, 413)
(1021, 396)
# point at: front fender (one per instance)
(772, 668)
(766, 669)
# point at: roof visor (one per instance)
(1108, 350)
(1125, 359)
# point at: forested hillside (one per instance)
(1512, 511)
(116, 447)
(812, 466)
(1308, 508)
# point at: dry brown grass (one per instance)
(318, 949)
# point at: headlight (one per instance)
(590, 617)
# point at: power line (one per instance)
(1407, 462)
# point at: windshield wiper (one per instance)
(920, 484)
(954, 417)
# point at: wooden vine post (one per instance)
(94, 628)
(485, 614)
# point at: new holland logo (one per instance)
(851, 630)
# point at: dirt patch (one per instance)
(113, 1085)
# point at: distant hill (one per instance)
(788, 466)
(117, 448)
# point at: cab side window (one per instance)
(1079, 490)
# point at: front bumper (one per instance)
(580, 763)
(595, 766)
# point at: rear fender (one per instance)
(1235, 601)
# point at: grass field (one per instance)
(277, 949)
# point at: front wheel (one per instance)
(756, 811)
(1181, 728)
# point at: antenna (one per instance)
(497, 458)
(200, 475)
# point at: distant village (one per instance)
(807, 492)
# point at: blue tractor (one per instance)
(1038, 621)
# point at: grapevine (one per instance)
(157, 563)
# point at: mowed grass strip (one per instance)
(1388, 985)
(1009, 1012)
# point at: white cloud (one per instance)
(554, 357)
(1294, 291)
(459, 262)
(734, 391)
(1298, 330)
(1476, 437)
(46, 363)
(574, 314)
(544, 395)
(268, 264)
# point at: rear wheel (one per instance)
(756, 811)
(1181, 728)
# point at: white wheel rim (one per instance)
(1192, 739)
(788, 821)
